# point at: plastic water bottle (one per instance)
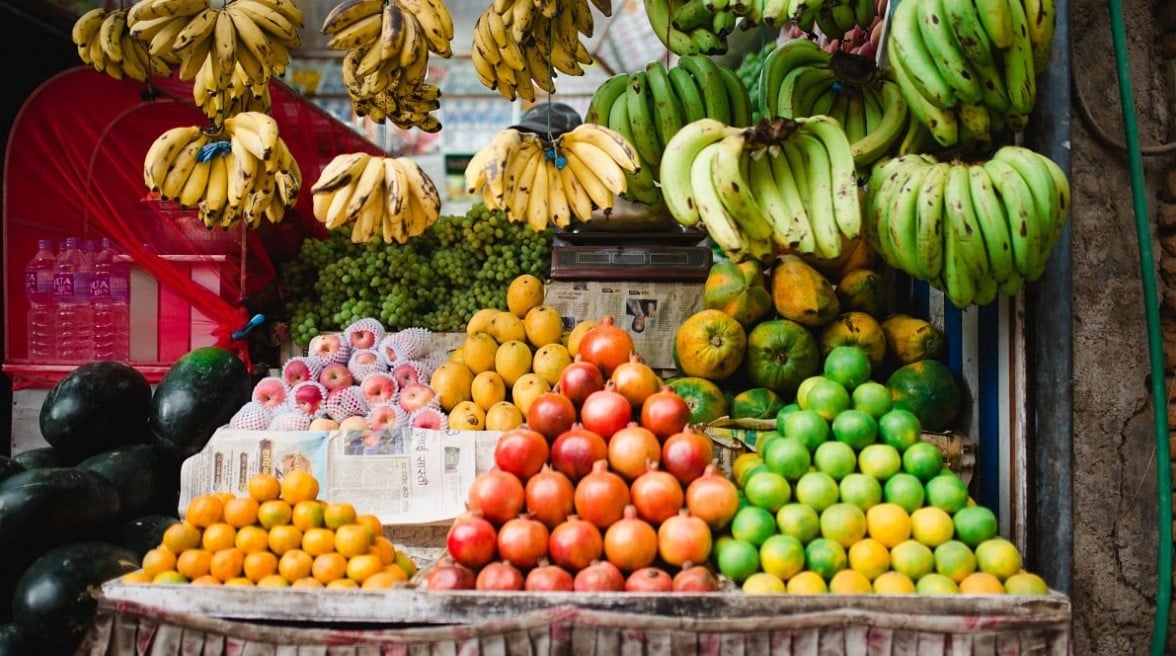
(71, 290)
(110, 303)
(42, 310)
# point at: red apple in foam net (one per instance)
(365, 356)
(428, 418)
(309, 398)
(301, 370)
(406, 374)
(269, 392)
(415, 396)
(385, 417)
(335, 375)
(330, 347)
(378, 388)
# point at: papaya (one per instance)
(780, 354)
(96, 407)
(704, 398)
(200, 392)
(739, 290)
(855, 254)
(801, 294)
(756, 403)
(710, 344)
(928, 389)
(855, 329)
(910, 339)
(861, 290)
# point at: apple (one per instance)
(385, 417)
(330, 347)
(354, 423)
(345, 402)
(366, 357)
(406, 374)
(252, 416)
(364, 333)
(269, 392)
(335, 375)
(309, 397)
(431, 418)
(323, 424)
(378, 388)
(301, 369)
(289, 420)
(415, 396)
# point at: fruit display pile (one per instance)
(436, 281)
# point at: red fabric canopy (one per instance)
(74, 167)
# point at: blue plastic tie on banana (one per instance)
(214, 149)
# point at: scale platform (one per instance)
(635, 262)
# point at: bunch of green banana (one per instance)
(387, 47)
(780, 185)
(649, 106)
(807, 81)
(383, 197)
(972, 230)
(834, 18)
(523, 44)
(105, 42)
(241, 171)
(968, 70)
(550, 182)
(693, 27)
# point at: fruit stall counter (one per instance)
(136, 619)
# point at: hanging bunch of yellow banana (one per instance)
(388, 197)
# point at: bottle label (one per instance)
(45, 283)
(100, 287)
(120, 291)
(63, 284)
(31, 282)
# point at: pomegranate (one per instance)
(551, 413)
(450, 577)
(601, 496)
(683, 538)
(649, 579)
(521, 451)
(522, 542)
(579, 379)
(471, 540)
(549, 578)
(575, 450)
(686, 454)
(695, 578)
(549, 496)
(574, 544)
(606, 411)
(713, 497)
(600, 576)
(497, 494)
(632, 449)
(657, 495)
(665, 412)
(606, 346)
(635, 380)
(499, 575)
(630, 543)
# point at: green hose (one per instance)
(1154, 342)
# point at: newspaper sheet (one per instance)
(649, 311)
(404, 476)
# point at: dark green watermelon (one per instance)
(14, 642)
(42, 457)
(41, 508)
(140, 472)
(8, 467)
(199, 393)
(141, 534)
(96, 407)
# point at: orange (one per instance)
(180, 536)
(353, 539)
(307, 515)
(284, 538)
(932, 526)
(1025, 583)
(981, 583)
(385, 578)
(843, 523)
(171, 576)
(338, 514)
(274, 513)
(299, 485)
(384, 548)
(329, 566)
(241, 511)
(406, 563)
(207, 579)
(344, 583)
(217, 536)
(252, 538)
(955, 560)
(870, 557)
(226, 564)
(307, 582)
(194, 563)
(998, 557)
(362, 566)
(259, 564)
(849, 581)
(137, 576)
(204, 509)
(225, 496)
(318, 541)
(936, 583)
(888, 523)
(372, 522)
(893, 583)
(239, 581)
(912, 558)
(295, 564)
(264, 487)
(763, 583)
(272, 581)
(158, 560)
(807, 582)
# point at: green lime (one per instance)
(825, 557)
(763, 438)
(738, 559)
(974, 524)
(753, 524)
(1025, 583)
(802, 390)
(955, 560)
(784, 412)
(848, 365)
(861, 490)
(856, 428)
(836, 459)
(808, 426)
(844, 523)
(829, 398)
(768, 490)
(781, 555)
(905, 490)
(947, 491)
(998, 557)
(872, 397)
(899, 428)
(923, 459)
(936, 583)
(758, 467)
(788, 456)
(880, 461)
(912, 558)
(816, 489)
(798, 520)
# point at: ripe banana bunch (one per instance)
(781, 185)
(384, 197)
(972, 230)
(105, 42)
(387, 46)
(240, 171)
(550, 182)
(969, 70)
(649, 106)
(242, 95)
(809, 81)
(522, 44)
(691, 27)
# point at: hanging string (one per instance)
(763, 91)
(552, 153)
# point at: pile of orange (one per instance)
(279, 534)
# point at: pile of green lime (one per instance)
(846, 497)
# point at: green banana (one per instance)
(1062, 187)
(975, 127)
(998, 23)
(993, 93)
(1041, 17)
(641, 121)
(737, 94)
(691, 14)
(969, 32)
(792, 164)
(710, 83)
(688, 94)
(667, 113)
(799, 88)
(903, 219)
(706, 42)
(1017, 200)
(957, 285)
(674, 170)
(641, 186)
(986, 290)
(885, 179)
(855, 115)
(781, 204)
(872, 105)
(821, 213)
(822, 102)
(847, 207)
(804, 13)
(888, 129)
(1019, 73)
(785, 58)
(1031, 167)
(864, 12)
(990, 215)
(658, 13)
(730, 181)
(942, 124)
(906, 46)
(929, 227)
(915, 137)
(961, 224)
(604, 97)
(720, 225)
(946, 52)
(723, 23)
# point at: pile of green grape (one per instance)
(437, 280)
(748, 71)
